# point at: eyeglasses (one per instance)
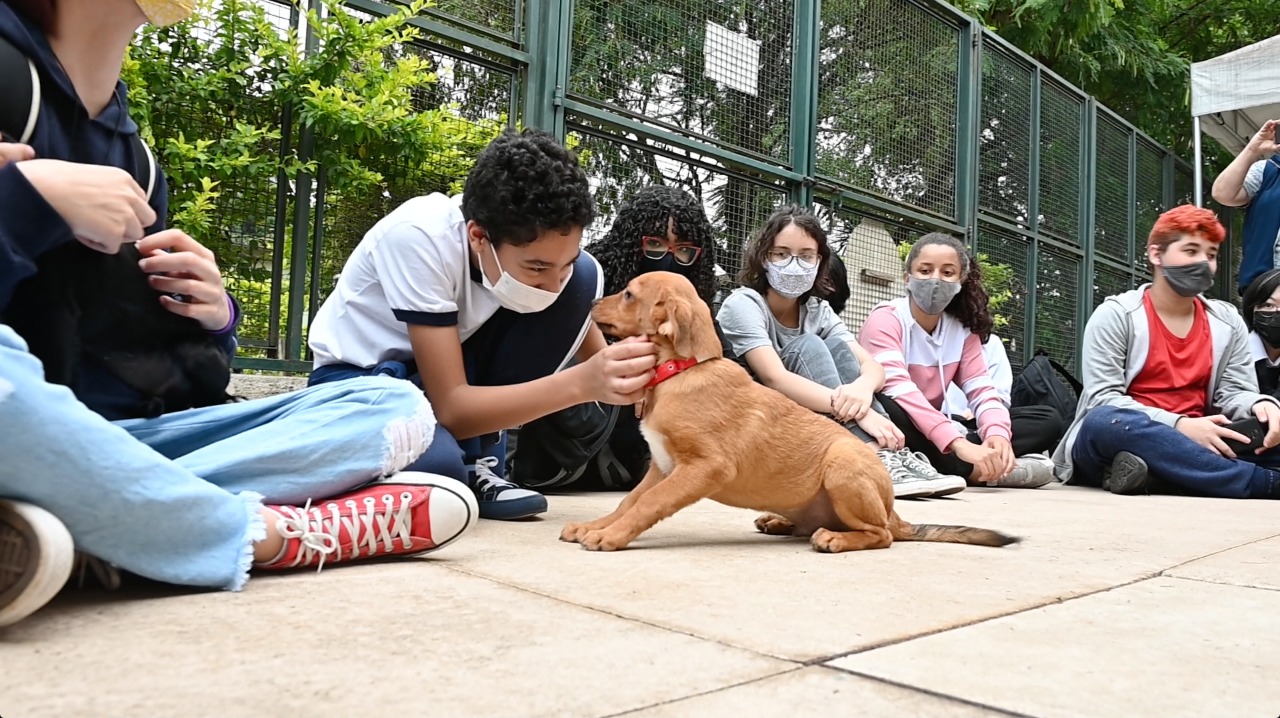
(783, 257)
(657, 247)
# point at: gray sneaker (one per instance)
(919, 463)
(1029, 472)
(35, 559)
(914, 477)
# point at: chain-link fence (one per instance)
(893, 117)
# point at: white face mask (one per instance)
(516, 295)
(791, 279)
(167, 12)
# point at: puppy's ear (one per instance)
(678, 324)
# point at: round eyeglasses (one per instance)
(783, 257)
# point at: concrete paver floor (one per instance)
(1113, 606)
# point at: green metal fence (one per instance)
(892, 117)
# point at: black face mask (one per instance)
(1188, 280)
(1267, 325)
(667, 263)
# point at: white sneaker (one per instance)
(1029, 472)
(914, 477)
(36, 553)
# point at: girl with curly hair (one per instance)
(933, 337)
(661, 228)
(779, 323)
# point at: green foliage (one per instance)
(1133, 55)
(211, 95)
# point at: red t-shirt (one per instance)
(1176, 375)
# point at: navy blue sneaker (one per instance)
(500, 499)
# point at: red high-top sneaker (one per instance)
(403, 515)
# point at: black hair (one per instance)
(757, 252)
(838, 278)
(1258, 292)
(525, 183)
(646, 215)
(43, 13)
(971, 305)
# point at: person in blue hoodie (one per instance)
(196, 497)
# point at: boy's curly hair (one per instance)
(523, 184)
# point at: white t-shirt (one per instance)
(1001, 375)
(413, 267)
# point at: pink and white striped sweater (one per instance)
(918, 368)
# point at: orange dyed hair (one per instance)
(1186, 219)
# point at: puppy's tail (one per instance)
(903, 531)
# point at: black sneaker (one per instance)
(501, 499)
(1127, 475)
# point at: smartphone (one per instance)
(1252, 428)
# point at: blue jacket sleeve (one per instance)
(227, 337)
(29, 227)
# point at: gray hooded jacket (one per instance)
(1116, 341)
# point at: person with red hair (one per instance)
(1170, 398)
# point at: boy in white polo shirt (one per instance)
(484, 301)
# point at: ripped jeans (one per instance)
(177, 498)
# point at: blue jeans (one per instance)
(509, 348)
(1170, 456)
(177, 498)
(829, 362)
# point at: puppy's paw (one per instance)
(828, 541)
(601, 541)
(774, 525)
(573, 533)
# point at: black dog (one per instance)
(83, 306)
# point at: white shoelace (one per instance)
(320, 535)
(485, 478)
(918, 462)
(898, 472)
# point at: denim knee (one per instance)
(1103, 416)
(806, 345)
(401, 408)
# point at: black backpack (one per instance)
(1045, 382)
(584, 447)
(20, 111)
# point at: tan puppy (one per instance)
(714, 433)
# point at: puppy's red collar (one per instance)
(668, 369)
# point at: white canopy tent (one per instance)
(1232, 95)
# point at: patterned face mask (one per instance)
(162, 12)
(791, 279)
